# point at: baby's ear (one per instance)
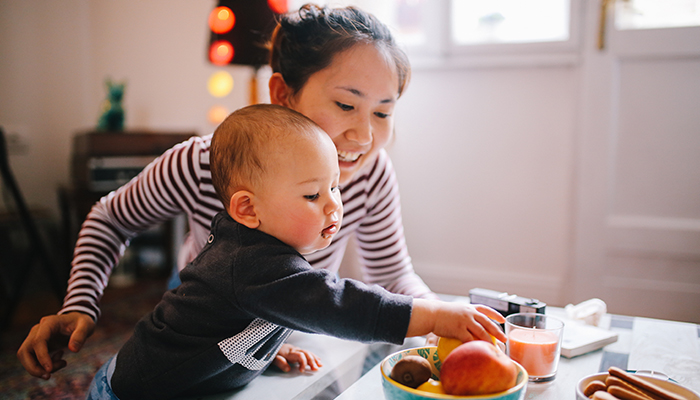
(242, 209)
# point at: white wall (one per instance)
(484, 156)
(55, 56)
(44, 63)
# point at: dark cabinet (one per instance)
(102, 162)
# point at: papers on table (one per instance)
(580, 338)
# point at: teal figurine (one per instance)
(112, 118)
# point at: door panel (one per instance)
(637, 240)
(657, 142)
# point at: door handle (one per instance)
(604, 5)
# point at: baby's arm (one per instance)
(456, 320)
(289, 354)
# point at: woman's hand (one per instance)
(41, 354)
(289, 354)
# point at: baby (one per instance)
(277, 174)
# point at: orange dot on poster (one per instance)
(278, 6)
(217, 114)
(220, 84)
(221, 52)
(221, 20)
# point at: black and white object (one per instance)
(505, 303)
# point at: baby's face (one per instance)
(299, 200)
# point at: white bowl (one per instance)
(664, 383)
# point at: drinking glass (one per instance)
(534, 341)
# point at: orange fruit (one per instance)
(446, 345)
(432, 386)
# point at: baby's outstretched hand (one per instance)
(288, 355)
(456, 320)
(473, 322)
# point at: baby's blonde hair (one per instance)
(243, 143)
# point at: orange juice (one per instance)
(535, 349)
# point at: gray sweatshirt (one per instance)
(237, 304)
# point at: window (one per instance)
(509, 21)
(651, 14)
(464, 32)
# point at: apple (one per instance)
(477, 368)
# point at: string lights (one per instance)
(238, 31)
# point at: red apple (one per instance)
(476, 368)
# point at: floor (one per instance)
(121, 307)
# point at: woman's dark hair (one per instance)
(306, 41)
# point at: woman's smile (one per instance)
(348, 157)
(353, 100)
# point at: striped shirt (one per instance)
(179, 181)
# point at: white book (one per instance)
(580, 338)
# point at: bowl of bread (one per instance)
(618, 384)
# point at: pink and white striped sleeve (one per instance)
(166, 187)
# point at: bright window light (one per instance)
(650, 14)
(509, 21)
(470, 22)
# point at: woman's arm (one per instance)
(167, 187)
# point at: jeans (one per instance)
(174, 279)
(100, 387)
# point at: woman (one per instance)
(339, 67)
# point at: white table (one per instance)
(672, 348)
(643, 344)
(342, 365)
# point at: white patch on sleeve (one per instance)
(239, 349)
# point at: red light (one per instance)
(221, 52)
(278, 6)
(221, 20)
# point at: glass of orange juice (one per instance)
(534, 341)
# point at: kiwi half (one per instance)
(411, 371)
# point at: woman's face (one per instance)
(353, 100)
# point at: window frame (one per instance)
(440, 52)
(447, 54)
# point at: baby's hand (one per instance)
(431, 339)
(469, 322)
(456, 320)
(289, 354)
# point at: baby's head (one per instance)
(275, 170)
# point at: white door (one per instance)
(637, 239)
